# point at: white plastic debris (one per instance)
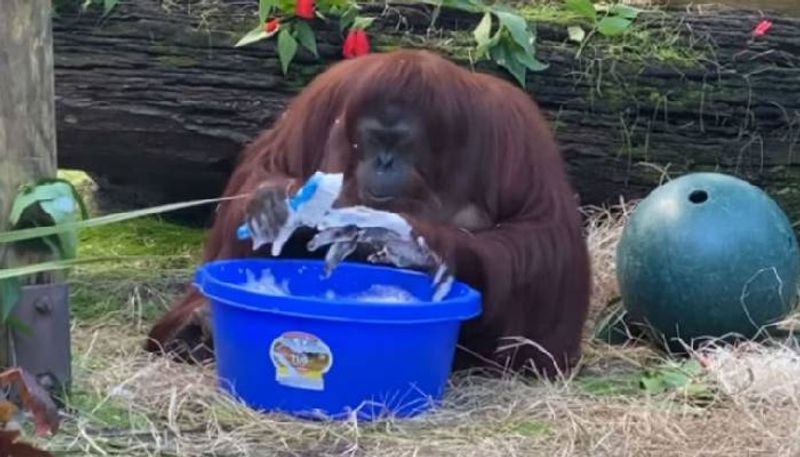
(312, 206)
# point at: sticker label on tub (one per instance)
(301, 360)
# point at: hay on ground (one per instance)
(742, 402)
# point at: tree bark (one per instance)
(27, 117)
(158, 103)
(27, 126)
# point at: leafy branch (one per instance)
(47, 215)
(290, 22)
(609, 21)
(48, 202)
(502, 35)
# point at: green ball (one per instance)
(708, 255)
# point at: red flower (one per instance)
(762, 28)
(356, 44)
(305, 9)
(272, 26)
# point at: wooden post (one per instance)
(28, 154)
(27, 115)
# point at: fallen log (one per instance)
(156, 102)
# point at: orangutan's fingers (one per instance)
(337, 253)
(333, 235)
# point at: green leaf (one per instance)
(109, 5)
(68, 241)
(619, 384)
(265, 9)
(10, 292)
(286, 6)
(675, 379)
(471, 6)
(692, 367)
(625, 11)
(504, 56)
(31, 195)
(698, 390)
(583, 8)
(518, 28)
(39, 232)
(481, 33)
(531, 62)
(514, 56)
(57, 199)
(84, 213)
(482, 50)
(576, 33)
(613, 26)
(652, 385)
(287, 48)
(61, 209)
(334, 5)
(347, 18)
(362, 22)
(305, 35)
(257, 34)
(484, 28)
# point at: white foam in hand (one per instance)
(312, 206)
(364, 217)
(309, 206)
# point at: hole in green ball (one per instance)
(698, 196)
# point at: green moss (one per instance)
(654, 43)
(149, 236)
(548, 12)
(169, 253)
(165, 256)
(138, 289)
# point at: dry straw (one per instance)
(142, 406)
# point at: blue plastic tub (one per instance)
(310, 356)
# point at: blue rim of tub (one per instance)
(462, 303)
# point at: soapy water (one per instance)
(377, 293)
(267, 284)
(312, 206)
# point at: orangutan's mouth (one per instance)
(381, 199)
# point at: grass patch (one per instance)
(150, 236)
(547, 11)
(137, 294)
(104, 412)
(141, 289)
(133, 291)
(620, 384)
